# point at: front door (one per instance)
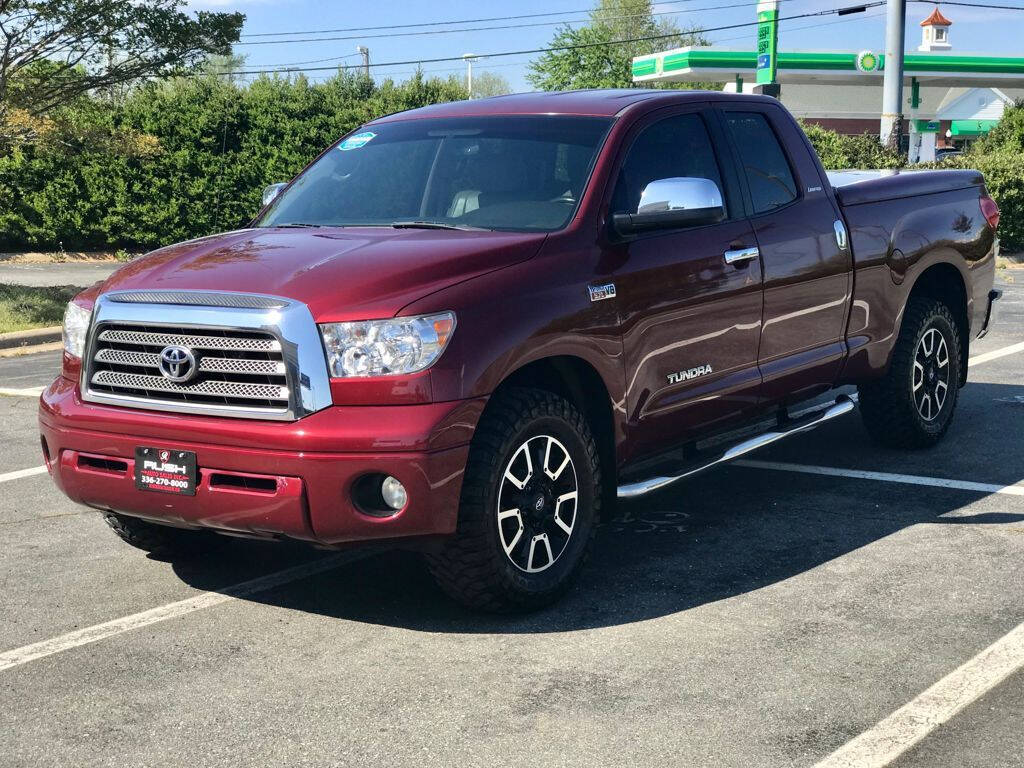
(691, 321)
(807, 275)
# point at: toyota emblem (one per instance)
(177, 364)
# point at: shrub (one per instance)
(839, 152)
(183, 158)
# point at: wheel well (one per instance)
(578, 382)
(945, 283)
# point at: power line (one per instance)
(312, 61)
(548, 49)
(483, 29)
(446, 23)
(487, 67)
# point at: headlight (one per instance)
(386, 347)
(76, 323)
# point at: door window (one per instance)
(768, 173)
(674, 147)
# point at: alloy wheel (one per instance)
(931, 374)
(537, 504)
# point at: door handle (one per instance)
(739, 255)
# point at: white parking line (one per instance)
(885, 477)
(26, 392)
(20, 473)
(25, 654)
(995, 353)
(912, 722)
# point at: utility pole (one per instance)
(363, 51)
(470, 58)
(891, 127)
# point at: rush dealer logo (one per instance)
(166, 471)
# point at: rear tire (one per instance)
(912, 405)
(163, 541)
(531, 499)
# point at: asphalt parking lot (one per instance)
(826, 595)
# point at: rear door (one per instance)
(807, 275)
(691, 321)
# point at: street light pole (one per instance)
(891, 126)
(470, 58)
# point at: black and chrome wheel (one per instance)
(931, 375)
(912, 405)
(537, 502)
(530, 501)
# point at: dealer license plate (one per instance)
(164, 470)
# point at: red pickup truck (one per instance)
(470, 327)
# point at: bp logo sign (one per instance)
(868, 61)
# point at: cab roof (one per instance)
(599, 103)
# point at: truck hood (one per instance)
(356, 273)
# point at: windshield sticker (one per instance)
(357, 141)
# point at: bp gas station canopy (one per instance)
(831, 67)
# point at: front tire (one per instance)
(163, 541)
(913, 405)
(530, 501)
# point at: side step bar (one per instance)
(843, 405)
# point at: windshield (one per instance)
(508, 173)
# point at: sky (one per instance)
(974, 30)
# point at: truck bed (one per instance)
(859, 187)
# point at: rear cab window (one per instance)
(768, 173)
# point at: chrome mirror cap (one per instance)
(674, 203)
(270, 193)
(679, 194)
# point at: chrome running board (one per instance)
(842, 406)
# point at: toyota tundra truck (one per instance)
(470, 328)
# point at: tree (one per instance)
(488, 84)
(54, 51)
(599, 64)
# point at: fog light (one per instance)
(393, 493)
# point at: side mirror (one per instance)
(673, 204)
(270, 193)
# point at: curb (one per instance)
(30, 338)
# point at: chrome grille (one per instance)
(185, 339)
(234, 368)
(116, 357)
(199, 299)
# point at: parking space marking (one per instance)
(912, 722)
(26, 392)
(885, 477)
(995, 353)
(20, 473)
(44, 648)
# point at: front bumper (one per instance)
(267, 478)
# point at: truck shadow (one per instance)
(728, 533)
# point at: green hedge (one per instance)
(839, 152)
(211, 146)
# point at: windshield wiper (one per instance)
(433, 225)
(297, 225)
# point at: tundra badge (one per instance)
(599, 292)
(693, 373)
